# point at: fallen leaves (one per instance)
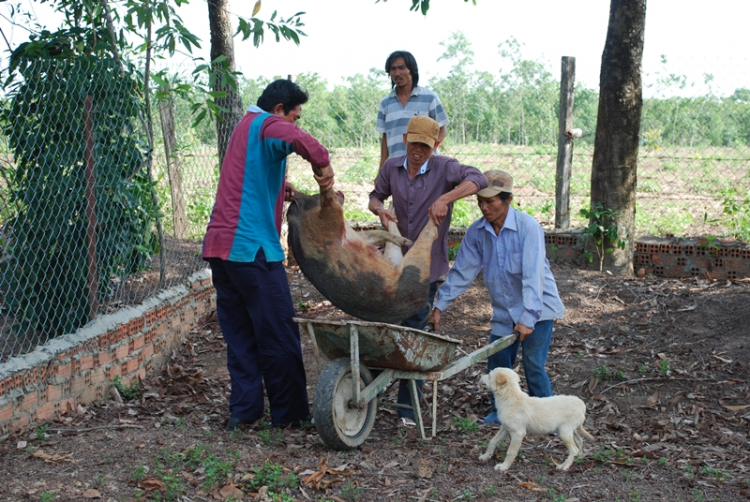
(53, 459)
(735, 407)
(318, 478)
(481, 328)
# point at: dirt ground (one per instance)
(661, 364)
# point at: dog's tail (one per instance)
(584, 433)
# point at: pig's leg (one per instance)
(419, 255)
(380, 237)
(393, 252)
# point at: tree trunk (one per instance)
(614, 170)
(222, 44)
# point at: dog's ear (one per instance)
(500, 379)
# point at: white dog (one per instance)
(522, 415)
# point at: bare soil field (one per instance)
(661, 364)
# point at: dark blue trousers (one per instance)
(535, 351)
(418, 321)
(255, 312)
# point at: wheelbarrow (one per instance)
(344, 406)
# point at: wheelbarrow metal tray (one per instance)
(383, 345)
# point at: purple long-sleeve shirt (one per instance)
(412, 198)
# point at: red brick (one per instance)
(105, 358)
(700, 261)
(54, 392)
(675, 272)
(148, 350)
(63, 369)
(664, 259)
(138, 342)
(6, 385)
(98, 375)
(6, 411)
(21, 422)
(120, 352)
(45, 412)
(29, 401)
(78, 384)
(87, 362)
(131, 365)
(67, 406)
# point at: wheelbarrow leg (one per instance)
(434, 408)
(415, 406)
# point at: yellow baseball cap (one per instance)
(422, 129)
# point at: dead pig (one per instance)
(350, 271)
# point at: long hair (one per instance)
(410, 62)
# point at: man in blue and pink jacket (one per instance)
(242, 246)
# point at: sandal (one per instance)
(408, 422)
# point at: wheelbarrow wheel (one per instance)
(341, 426)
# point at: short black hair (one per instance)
(410, 62)
(283, 91)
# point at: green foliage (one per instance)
(664, 368)
(689, 471)
(604, 454)
(271, 437)
(556, 497)
(602, 230)
(720, 475)
(173, 487)
(351, 491)
(138, 473)
(45, 274)
(47, 496)
(274, 476)
(602, 373)
(216, 472)
(127, 392)
(465, 212)
(41, 432)
(465, 425)
(737, 213)
(453, 251)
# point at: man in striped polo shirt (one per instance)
(406, 100)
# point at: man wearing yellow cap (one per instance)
(507, 246)
(423, 186)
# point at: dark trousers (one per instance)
(418, 321)
(255, 312)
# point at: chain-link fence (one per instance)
(94, 218)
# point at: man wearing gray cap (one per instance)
(507, 245)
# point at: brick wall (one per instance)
(666, 256)
(79, 367)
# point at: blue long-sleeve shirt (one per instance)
(516, 272)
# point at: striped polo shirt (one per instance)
(393, 117)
